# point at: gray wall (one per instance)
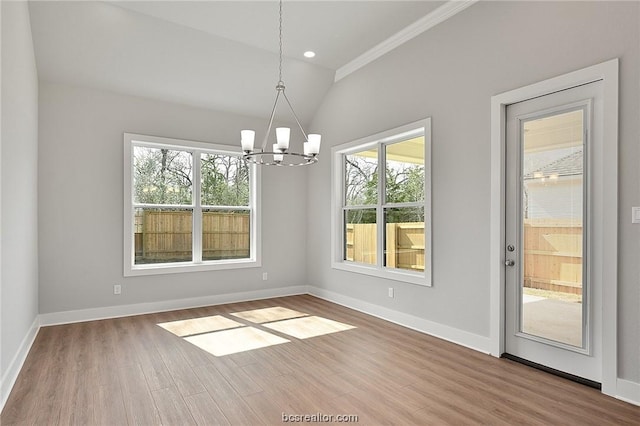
(450, 74)
(19, 190)
(81, 202)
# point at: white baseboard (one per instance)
(68, 317)
(10, 376)
(628, 391)
(451, 334)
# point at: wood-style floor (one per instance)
(131, 371)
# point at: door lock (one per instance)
(509, 262)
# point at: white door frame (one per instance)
(608, 73)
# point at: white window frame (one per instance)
(197, 264)
(421, 127)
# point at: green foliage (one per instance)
(225, 180)
(163, 176)
(405, 184)
(361, 216)
(404, 214)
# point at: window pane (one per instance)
(225, 180)
(360, 236)
(225, 234)
(405, 171)
(553, 179)
(162, 235)
(361, 178)
(404, 238)
(161, 176)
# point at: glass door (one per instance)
(552, 214)
(549, 291)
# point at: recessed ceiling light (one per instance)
(309, 54)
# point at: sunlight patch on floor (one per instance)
(201, 325)
(276, 313)
(228, 342)
(306, 327)
(221, 336)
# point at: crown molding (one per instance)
(425, 23)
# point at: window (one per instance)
(188, 207)
(381, 205)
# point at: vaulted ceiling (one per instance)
(221, 55)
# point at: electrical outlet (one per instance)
(390, 291)
(264, 276)
(117, 289)
(635, 214)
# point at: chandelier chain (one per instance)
(280, 35)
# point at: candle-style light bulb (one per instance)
(282, 137)
(314, 143)
(247, 138)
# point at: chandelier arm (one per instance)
(296, 117)
(273, 113)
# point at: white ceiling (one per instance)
(338, 31)
(213, 54)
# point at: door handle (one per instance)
(509, 262)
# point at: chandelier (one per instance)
(280, 153)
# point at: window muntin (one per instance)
(383, 225)
(186, 215)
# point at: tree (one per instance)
(225, 180)
(162, 176)
(404, 183)
(361, 187)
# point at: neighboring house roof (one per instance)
(569, 165)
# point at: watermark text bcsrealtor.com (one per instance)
(319, 418)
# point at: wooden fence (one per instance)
(553, 255)
(163, 236)
(552, 251)
(404, 244)
(552, 248)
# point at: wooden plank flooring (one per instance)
(130, 371)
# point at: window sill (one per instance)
(176, 268)
(386, 273)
